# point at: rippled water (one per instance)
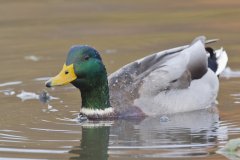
(34, 39)
(36, 130)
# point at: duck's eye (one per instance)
(66, 72)
(86, 57)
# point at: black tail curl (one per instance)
(212, 59)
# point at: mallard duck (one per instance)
(176, 80)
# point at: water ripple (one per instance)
(29, 150)
(10, 83)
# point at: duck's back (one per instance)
(171, 81)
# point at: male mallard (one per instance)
(171, 81)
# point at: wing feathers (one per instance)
(173, 68)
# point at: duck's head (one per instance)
(83, 68)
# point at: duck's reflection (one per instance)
(94, 143)
(179, 135)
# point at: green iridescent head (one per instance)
(83, 68)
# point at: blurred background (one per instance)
(35, 37)
(128, 29)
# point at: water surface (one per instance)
(34, 39)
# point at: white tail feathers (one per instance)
(222, 60)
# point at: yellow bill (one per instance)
(66, 76)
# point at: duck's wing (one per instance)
(173, 68)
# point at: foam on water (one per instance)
(49, 109)
(32, 58)
(27, 95)
(7, 92)
(31, 95)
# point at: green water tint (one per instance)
(232, 149)
(94, 144)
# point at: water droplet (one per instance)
(164, 119)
